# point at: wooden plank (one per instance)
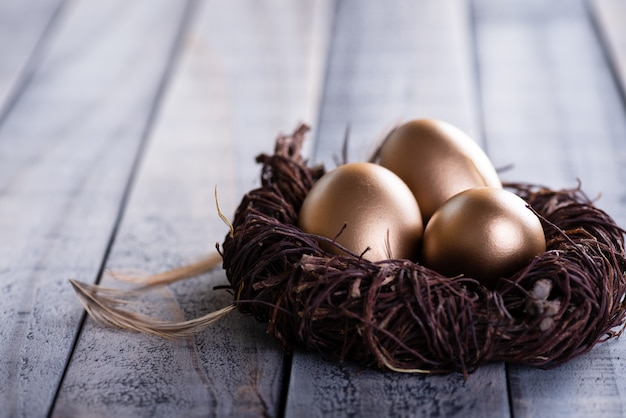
(66, 153)
(552, 109)
(610, 17)
(24, 25)
(393, 61)
(248, 70)
(588, 386)
(323, 389)
(392, 64)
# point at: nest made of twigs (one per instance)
(400, 315)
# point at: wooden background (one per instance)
(119, 117)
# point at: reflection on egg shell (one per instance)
(484, 233)
(436, 160)
(377, 207)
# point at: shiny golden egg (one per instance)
(375, 206)
(436, 160)
(484, 233)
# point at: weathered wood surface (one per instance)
(246, 69)
(552, 109)
(367, 88)
(118, 119)
(66, 155)
(25, 28)
(609, 19)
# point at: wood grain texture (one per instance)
(25, 29)
(391, 61)
(588, 386)
(552, 109)
(66, 154)
(115, 127)
(248, 70)
(329, 390)
(610, 18)
(550, 104)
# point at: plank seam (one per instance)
(324, 87)
(286, 380)
(509, 390)
(604, 41)
(33, 62)
(478, 98)
(170, 67)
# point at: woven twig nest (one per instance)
(399, 315)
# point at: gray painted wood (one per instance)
(247, 71)
(390, 62)
(81, 81)
(66, 153)
(589, 386)
(322, 389)
(25, 29)
(552, 109)
(610, 18)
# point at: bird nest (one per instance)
(400, 315)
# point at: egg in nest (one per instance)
(363, 206)
(485, 233)
(436, 160)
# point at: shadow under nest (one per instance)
(399, 315)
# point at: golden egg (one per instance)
(436, 160)
(377, 207)
(484, 233)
